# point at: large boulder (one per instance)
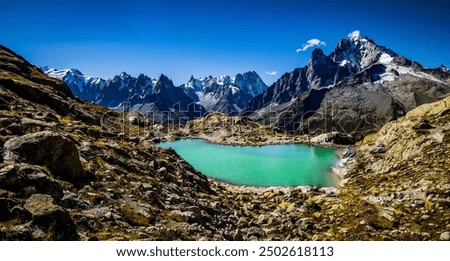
(54, 221)
(52, 150)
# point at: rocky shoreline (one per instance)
(222, 129)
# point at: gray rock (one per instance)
(445, 236)
(73, 201)
(425, 217)
(99, 212)
(162, 170)
(49, 149)
(38, 235)
(349, 153)
(379, 148)
(334, 137)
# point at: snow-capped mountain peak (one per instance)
(359, 52)
(358, 73)
(354, 36)
(195, 84)
(71, 76)
(85, 87)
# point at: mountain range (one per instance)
(355, 89)
(224, 93)
(219, 94)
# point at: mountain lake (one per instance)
(268, 165)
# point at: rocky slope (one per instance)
(401, 172)
(71, 170)
(68, 172)
(356, 89)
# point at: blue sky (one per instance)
(183, 38)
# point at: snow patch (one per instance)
(387, 77)
(344, 63)
(390, 76)
(385, 58)
(234, 89)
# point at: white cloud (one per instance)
(272, 73)
(354, 34)
(311, 43)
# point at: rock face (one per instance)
(355, 90)
(48, 149)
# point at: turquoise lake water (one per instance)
(271, 165)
